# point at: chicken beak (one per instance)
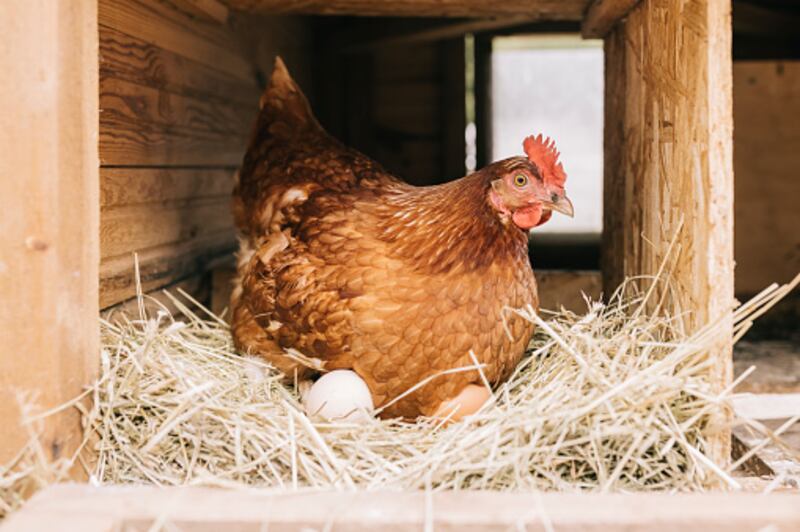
(562, 205)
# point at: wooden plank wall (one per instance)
(402, 105)
(405, 110)
(178, 94)
(668, 158)
(48, 198)
(766, 114)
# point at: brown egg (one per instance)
(469, 401)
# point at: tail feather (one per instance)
(283, 105)
(284, 127)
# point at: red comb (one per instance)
(542, 152)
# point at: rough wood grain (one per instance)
(141, 125)
(668, 160)
(159, 266)
(601, 16)
(89, 509)
(137, 61)
(536, 9)
(137, 227)
(132, 186)
(164, 24)
(766, 107)
(49, 198)
(179, 92)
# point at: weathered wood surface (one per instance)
(132, 186)
(766, 110)
(535, 9)
(49, 247)
(602, 15)
(176, 219)
(167, 25)
(142, 227)
(179, 89)
(127, 58)
(141, 125)
(669, 162)
(77, 507)
(161, 265)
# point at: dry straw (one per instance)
(616, 399)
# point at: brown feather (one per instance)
(349, 265)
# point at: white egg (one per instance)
(340, 395)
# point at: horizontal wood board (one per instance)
(535, 9)
(90, 509)
(179, 88)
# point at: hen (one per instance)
(354, 269)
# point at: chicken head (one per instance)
(528, 190)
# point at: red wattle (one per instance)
(528, 216)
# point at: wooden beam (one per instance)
(92, 509)
(212, 9)
(669, 165)
(602, 15)
(539, 9)
(49, 247)
(435, 32)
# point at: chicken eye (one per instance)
(520, 180)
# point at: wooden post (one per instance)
(49, 192)
(668, 160)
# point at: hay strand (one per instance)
(611, 400)
(615, 399)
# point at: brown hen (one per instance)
(355, 269)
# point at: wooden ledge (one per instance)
(90, 509)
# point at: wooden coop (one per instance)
(125, 119)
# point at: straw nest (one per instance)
(618, 398)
